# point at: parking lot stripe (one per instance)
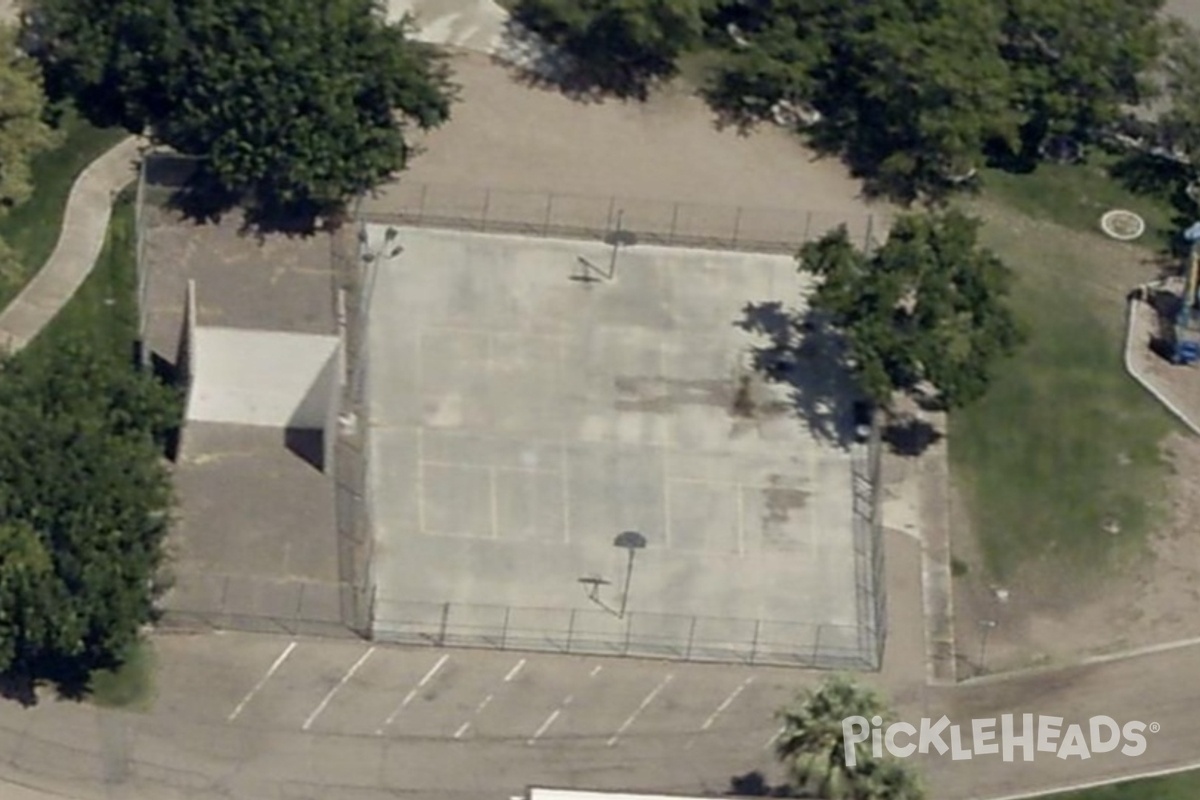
(345, 678)
(287, 651)
(484, 703)
(633, 717)
(774, 738)
(725, 704)
(596, 671)
(408, 698)
(458, 734)
(512, 673)
(545, 725)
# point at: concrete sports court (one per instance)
(570, 453)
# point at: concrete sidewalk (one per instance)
(80, 240)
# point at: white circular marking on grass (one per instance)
(1122, 225)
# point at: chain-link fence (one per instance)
(655, 222)
(598, 632)
(870, 580)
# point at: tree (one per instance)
(619, 45)
(928, 308)
(293, 105)
(812, 747)
(1075, 63)
(909, 93)
(83, 496)
(23, 130)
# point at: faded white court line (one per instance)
(408, 698)
(345, 679)
(720, 709)
(774, 739)
(633, 717)
(287, 651)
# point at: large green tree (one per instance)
(812, 747)
(927, 309)
(23, 129)
(84, 499)
(618, 45)
(1075, 63)
(293, 104)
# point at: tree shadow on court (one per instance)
(804, 355)
(909, 435)
(755, 784)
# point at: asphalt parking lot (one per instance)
(355, 689)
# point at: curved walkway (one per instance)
(84, 226)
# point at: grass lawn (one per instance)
(31, 228)
(105, 307)
(1064, 441)
(1076, 195)
(1184, 786)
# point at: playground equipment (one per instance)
(1187, 322)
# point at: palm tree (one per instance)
(812, 747)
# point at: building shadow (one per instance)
(307, 444)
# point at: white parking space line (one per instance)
(545, 725)
(466, 726)
(512, 673)
(484, 703)
(725, 704)
(408, 698)
(287, 651)
(720, 709)
(596, 671)
(345, 679)
(633, 717)
(774, 739)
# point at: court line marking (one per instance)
(287, 651)
(408, 698)
(741, 521)
(494, 500)
(421, 479)
(633, 717)
(345, 679)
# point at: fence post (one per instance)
(570, 629)
(504, 631)
(487, 202)
(817, 647)
(549, 210)
(737, 226)
(612, 207)
(674, 221)
(807, 225)
(870, 227)
(421, 205)
(691, 640)
(754, 644)
(445, 621)
(628, 633)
